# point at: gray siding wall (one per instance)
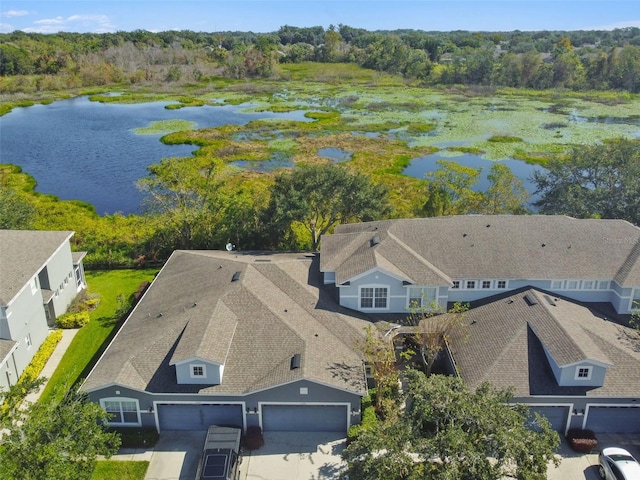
(398, 293)
(62, 278)
(568, 374)
(213, 373)
(26, 320)
(8, 373)
(290, 393)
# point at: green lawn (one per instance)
(118, 470)
(91, 339)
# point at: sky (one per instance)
(101, 16)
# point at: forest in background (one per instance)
(577, 60)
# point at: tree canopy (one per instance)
(321, 196)
(596, 181)
(447, 432)
(58, 439)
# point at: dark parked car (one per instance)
(221, 454)
(618, 464)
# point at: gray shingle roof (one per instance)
(430, 250)
(254, 325)
(23, 253)
(504, 345)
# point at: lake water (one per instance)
(83, 150)
(428, 163)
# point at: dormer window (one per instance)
(198, 371)
(583, 373)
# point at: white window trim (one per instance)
(475, 284)
(506, 284)
(192, 367)
(572, 280)
(34, 285)
(120, 400)
(453, 286)
(482, 282)
(374, 286)
(588, 377)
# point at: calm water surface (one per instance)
(83, 150)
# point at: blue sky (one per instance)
(99, 16)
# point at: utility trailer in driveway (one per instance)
(221, 454)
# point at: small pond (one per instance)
(421, 165)
(336, 155)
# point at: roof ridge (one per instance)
(632, 260)
(419, 257)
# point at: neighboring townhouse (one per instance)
(574, 363)
(39, 277)
(234, 339)
(383, 267)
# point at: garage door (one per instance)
(613, 419)
(198, 417)
(304, 418)
(557, 416)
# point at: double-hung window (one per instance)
(421, 296)
(374, 297)
(121, 411)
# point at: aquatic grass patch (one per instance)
(185, 102)
(504, 139)
(163, 127)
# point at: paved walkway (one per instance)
(52, 363)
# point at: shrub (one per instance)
(137, 437)
(583, 441)
(73, 320)
(39, 360)
(253, 440)
(368, 422)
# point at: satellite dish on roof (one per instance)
(229, 246)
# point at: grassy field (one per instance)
(91, 339)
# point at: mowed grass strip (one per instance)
(120, 470)
(90, 341)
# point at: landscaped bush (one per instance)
(73, 320)
(253, 440)
(369, 419)
(39, 360)
(137, 437)
(583, 441)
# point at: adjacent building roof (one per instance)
(250, 312)
(505, 340)
(432, 251)
(23, 253)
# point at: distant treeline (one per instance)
(577, 60)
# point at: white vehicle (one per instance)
(618, 464)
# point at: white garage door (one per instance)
(556, 415)
(304, 418)
(198, 417)
(613, 419)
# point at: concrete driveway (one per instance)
(176, 456)
(295, 455)
(284, 456)
(580, 466)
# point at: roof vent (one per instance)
(295, 361)
(530, 299)
(550, 300)
(375, 241)
(236, 277)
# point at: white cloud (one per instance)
(73, 23)
(13, 13)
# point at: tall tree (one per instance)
(321, 196)
(448, 432)
(450, 189)
(60, 439)
(184, 194)
(16, 212)
(505, 193)
(600, 181)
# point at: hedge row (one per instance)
(42, 355)
(73, 320)
(368, 422)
